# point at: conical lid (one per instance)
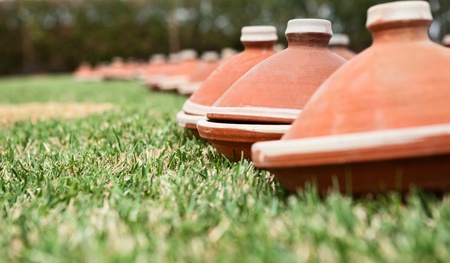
(275, 90)
(187, 64)
(390, 101)
(258, 42)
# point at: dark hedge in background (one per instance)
(55, 36)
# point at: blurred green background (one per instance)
(56, 35)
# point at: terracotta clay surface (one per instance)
(387, 108)
(275, 90)
(235, 140)
(256, 50)
(339, 45)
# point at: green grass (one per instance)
(129, 185)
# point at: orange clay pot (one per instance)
(153, 66)
(275, 90)
(258, 42)
(446, 40)
(180, 73)
(235, 140)
(209, 62)
(85, 73)
(339, 45)
(380, 122)
(118, 70)
(151, 79)
(257, 101)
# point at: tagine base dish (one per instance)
(189, 122)
(431, 173)
(235, 140)
(394, 159)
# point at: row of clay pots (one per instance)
(378, 122)
(283, 84)
(382, 121)
(183, 72)
(184, 68)
(257, 95)
(171, 75)
(117, 70)
(86, 73)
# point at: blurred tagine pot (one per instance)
(179, 74)
(262, 104)
(339, 45)
(258, 42)
(380, 122)
(208, 63)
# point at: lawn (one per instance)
(129, 185)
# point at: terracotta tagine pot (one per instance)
(180, 73)
(208, 63)
(86, 73)
(446, 40)
(275, 90)
(155, 62)
(259, 98)
(381, 122)
(339, 45)
(258, 42)
(234, 140)
(118, 70)
(151, 80)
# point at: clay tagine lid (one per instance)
(86, 73)
(152, 78)
(180, 72)
(154, 65)
(258, 42)
(446, 40)
(208, 63)
(379, 122)
(275, 90)
(339, 45)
